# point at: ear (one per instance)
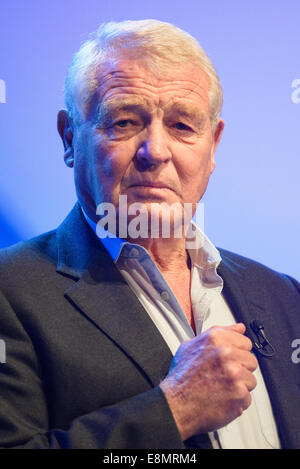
(65, 130)
(216, 139)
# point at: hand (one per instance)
(210, 379)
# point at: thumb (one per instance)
(239, 327)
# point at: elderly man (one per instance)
(119, 338)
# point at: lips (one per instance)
(150, 184)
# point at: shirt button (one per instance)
(165, 295)
(134, 252)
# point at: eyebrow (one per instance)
(114, 105)
(188, 111)
(138, 104)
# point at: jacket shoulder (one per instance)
(22, 258)
(256, 271)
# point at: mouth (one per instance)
(151, 185)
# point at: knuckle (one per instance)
(251, 362)
(232, 371)
(241, 391)
(240, 402)
(225, 353)
(247, 400)
(213, 334)
(238, 409)
(244, 403)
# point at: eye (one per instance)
(182, 126)
(123, 123)
(124, 128)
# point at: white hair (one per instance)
(154, 43)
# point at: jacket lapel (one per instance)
(104, 298)
(248, 301)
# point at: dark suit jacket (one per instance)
(84, 360)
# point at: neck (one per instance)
(169, 254)
(173, 261)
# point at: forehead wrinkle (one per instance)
(135, 79)
(180, 103)
(113, 105)
(110, 105)
(125, 82)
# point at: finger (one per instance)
(238, 377)
(245, 402)
(240, 341)
(248, 379)
(239, 327)
(228, 336)
(247, 359)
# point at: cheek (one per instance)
(112, 161)
(116, 163)
(195, 162)
(194, 171)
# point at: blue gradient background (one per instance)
(252, 203)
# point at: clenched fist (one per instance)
(210, 379)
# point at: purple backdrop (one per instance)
(252, 204)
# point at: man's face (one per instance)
(145, 137)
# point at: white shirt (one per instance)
(256, 427)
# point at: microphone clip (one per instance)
(262, 345)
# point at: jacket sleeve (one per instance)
(143, 421)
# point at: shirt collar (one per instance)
(202, 252)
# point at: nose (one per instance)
(154, 148)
